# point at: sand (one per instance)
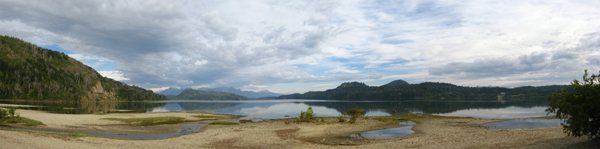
(431, 132)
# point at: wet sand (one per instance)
(431, 132)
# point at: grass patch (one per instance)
(149, 120)
(402, 118)
(209, 116)
(223, 123)
(22, 121)
(75, 134)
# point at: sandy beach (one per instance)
(431, 132)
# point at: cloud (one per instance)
(116, 75)
(154, 44)
(553, 67)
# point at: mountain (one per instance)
(33, 73)
(170, 91)
(401, 90)
(397, 83)
(352, 85)
(249, 94)
(206, 95)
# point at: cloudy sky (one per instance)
(297, 46)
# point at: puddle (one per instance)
(183, 129)
(405, 129)
(524, 123)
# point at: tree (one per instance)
(356, 113)
(579, 107)
(307, 116)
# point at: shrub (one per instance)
(9, 116)
(579, 107)
(3, 114)
(356, 113)
(7, 113)
(307, 116)
(341, 119)
(352, 120)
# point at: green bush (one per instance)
(356, 113)
(579, 107)
(9, 116)
(3, 114)
(8, 113)
(307, 116)
(341, 119)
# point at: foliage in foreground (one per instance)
(307, 116)
(356, 113)
(9, 116)
(579, 107)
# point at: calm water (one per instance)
(525, 123)
(184, 129)
(275, 109)
(405, 129)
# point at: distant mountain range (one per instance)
(199, 94)
(248, 94)
(170, 91)
(33, 73)
(402, 90)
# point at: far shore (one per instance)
(431, 132)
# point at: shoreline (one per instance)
(430, 132)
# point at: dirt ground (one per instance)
(431, 132)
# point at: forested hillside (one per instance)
(33, 73)
(400, 90)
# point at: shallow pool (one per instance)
(405, 129)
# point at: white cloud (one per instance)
(116, 75)
(316, 44)
(159, 89)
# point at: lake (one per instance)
(277, 109)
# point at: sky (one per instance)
(298, 46)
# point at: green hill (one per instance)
(400, 90)
(32, 73)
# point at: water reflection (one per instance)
(283, 110)
(72, 107)
(511, 112)
(274, 109)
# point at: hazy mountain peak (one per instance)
(245, 93)
(171, 91)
